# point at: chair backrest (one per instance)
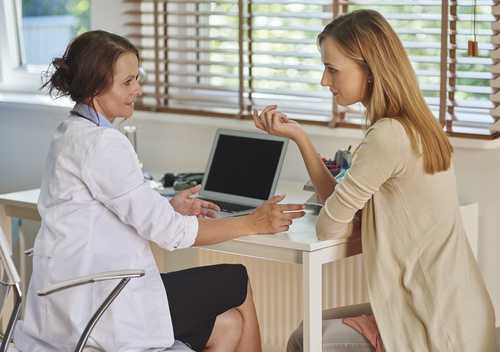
(9, 279)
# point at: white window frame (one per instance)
(14, 77)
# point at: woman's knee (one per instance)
(230, 323)
(227, 331)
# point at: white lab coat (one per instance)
(98, 214)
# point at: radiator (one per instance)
(277, 289)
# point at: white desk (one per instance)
(299, 245)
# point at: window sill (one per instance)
(34, 101)
(37, 101)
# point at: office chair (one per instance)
(9, 279)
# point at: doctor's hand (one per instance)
(184, 202)
(272, 217)
(277, 123)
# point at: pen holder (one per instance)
(337, 166)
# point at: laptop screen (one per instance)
(244, 166)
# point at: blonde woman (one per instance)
(426, 292)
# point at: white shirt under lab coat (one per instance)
(98, 215)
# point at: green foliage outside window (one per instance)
(80, 9)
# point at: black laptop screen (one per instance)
(244, 166)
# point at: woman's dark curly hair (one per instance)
(86, 68)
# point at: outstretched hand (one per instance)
(186, 203)
(271, 217)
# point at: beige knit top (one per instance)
(425, 288)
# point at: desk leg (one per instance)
(313, 324)
(18, 239)
(6, 225)
(5, 222)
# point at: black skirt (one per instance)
(197, 296)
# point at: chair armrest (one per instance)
(109, 275)
(347, 311)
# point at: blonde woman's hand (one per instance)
(186, 203)
(271, 217)
(277, 123)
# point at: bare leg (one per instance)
(250, 337)
(226, 333)
(236, 329)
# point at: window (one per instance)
(226, 57)
(48, 26)
(36, 31)
(463, 103)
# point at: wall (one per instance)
(167, 143)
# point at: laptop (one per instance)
(243, 170)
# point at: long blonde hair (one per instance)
(367, 38)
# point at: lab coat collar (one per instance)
(87, 112)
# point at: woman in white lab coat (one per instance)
(99, 215)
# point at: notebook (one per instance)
(243, 170)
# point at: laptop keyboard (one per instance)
(230, 207)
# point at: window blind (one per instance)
(435, 34)
(469, 91)
(192, 54)
(227, 57)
